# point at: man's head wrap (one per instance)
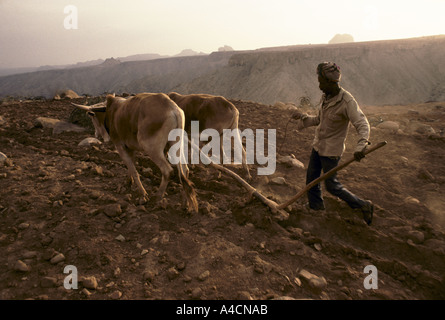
(330, 71)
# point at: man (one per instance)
(338, 109)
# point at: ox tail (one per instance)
(189, 190)
(234, 125)
(183, 170)
(239, 141)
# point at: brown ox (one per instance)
(212, 112)
(142, 123)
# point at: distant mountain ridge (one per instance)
(135, 57)
(112, 75)
(388, 72)
(377, 73)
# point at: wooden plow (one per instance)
(278, 209)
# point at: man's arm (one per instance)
(305, 120)
(361, 124)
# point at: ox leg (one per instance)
(224, 158)
(243, 154)
(166, 171)
(246, 167)
(127, 156)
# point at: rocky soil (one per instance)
(62, 205)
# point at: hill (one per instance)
(376, 73)
(113, 76)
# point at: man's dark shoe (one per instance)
(368, 212)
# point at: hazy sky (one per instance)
(34, 33)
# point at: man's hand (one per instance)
(359, 155)
(299, 115)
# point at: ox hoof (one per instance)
(163, 203)
(129, 182)
(143, 200)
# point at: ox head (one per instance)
(97, 114)
(174, 96)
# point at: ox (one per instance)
(212, 112)
(142, 123)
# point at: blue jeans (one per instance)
(318, 163)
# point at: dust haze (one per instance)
(33, 33)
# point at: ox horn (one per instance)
(98, 107)
(86, 108)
